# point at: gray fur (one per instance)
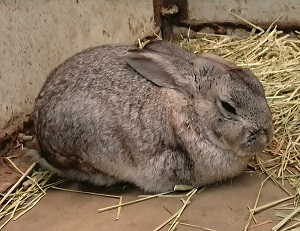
(153, 117)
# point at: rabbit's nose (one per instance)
(253, 136)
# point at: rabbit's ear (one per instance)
(217, 60)
(169, 48)
(212, 65)
(161, 69)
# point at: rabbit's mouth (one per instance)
(255, 142)
(242, 144)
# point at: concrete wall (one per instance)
(37, 35)
(259, 12)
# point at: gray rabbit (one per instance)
(155, 117)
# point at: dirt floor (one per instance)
(222, 207)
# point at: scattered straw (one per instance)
(251, 215)
(282, 216)
(167, 221)
(286, 219)
(12, 214)
(247, 22)
(290, 228)
(185, 204)
(83, 192)
(24, 195)
(260, 224)
(195, 226)
(119, 209)
(95, 194)
(30, 205)
(133, 202)
(17, 183)
(176, 216)
(270, 205)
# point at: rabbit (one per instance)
(155, 117)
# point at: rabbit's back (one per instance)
(94, 108)
(99, 70)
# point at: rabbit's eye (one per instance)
(228, 107)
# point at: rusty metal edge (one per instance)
(167, 22)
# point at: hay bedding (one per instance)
(274, 57)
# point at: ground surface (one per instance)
(222, 207)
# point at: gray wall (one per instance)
(36, 35)
(259, 12)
